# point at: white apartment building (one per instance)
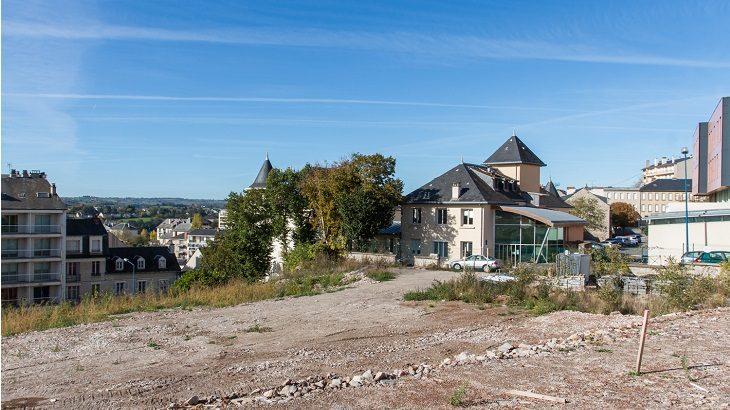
(33, 239)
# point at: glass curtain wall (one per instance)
(521, 239)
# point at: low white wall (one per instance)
(389, 258)
(427, 262)
(667, 240)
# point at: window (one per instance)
(42, 293)
(467, 217)
(664, 197)
(633, 195)
(119, 264)
(416, 215)
(72, 269)
(643, 208)
(42, 247)
(643, 195)
(656, 196)
(620, 195)
(442, 216)
(140, 263)
(684, 197)
(119, 288)
(73, 245)
(42, 224)
(163, 285)
(161, 263)
(466, 249)
(95, 268)
(10, 248)
(141, 286)
(42, 267)
(72, 292)
(95, 245)
(416, 246)
(10, 223)
(95, 289)
(441, 249)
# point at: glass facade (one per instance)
(521, 239)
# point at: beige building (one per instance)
(497, 208)
(652, 198)
(666, 168)
(584, 194)
(33, 239)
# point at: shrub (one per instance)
(381, 275)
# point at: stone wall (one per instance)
(387, 258)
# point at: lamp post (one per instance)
(134, 270)
(686, 201)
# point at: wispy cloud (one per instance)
(344, 101)
(440, 45)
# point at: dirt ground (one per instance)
(149, 360)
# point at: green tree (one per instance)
(197, 221)
(623, 215)
(243, 250)
(352, 199)
(587, 208)
(289, 214)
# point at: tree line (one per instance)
(319, 210)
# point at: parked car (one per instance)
(628, 240)
(476, 262)
(711, 257)
(613, 243)
(690, 257)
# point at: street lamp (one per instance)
(685, 151)
(134, 270)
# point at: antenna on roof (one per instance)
(267, 155)
(462, 159)
(514, 132)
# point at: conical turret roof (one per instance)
(260, 181)
(514, 151)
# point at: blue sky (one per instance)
(184, 98)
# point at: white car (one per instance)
(476, 262)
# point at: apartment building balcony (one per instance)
(30, 253)
(30, 278)
(11, 230)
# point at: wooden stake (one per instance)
(641, 341)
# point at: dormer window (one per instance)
(119, 264)
(43, 195)
(500, 185)
(140, 263)
(161, 262)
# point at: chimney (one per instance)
(647, 163)
(53, 190)
(656, 161)
(455, 191)
(25, 173)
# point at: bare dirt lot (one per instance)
(149, 360)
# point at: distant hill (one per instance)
(117, 201)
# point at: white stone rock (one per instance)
(505, 347)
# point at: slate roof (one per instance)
(550, 188)
(674, 161)
(21, 193)
(550, 200)
(203, 232)
(150, 255)
(514, 151)
(476, 187)
(393, 229)
(667, 185)
(599, 197)
(85, 227)
(260, 181)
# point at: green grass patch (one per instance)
(104, 307)
(258, 329)
(381, 275)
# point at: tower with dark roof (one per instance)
(517, 161)
(260, 181)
